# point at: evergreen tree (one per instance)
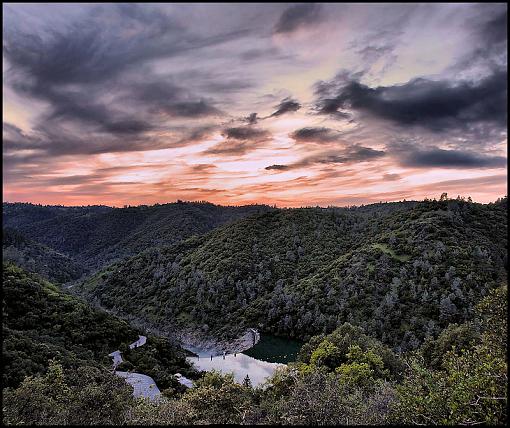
(247, 382)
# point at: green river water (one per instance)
(258, 362)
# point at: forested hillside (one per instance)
(40, 323)
(38, 258)
(402, 271)
(93, 236)
(22, 214)
(344, 378)
(401, 305)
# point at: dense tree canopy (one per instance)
(401, 306)
(96, 235)
(39, 258)
(468, 385)
(40, 322)
(402, 271)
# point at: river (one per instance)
(258, 362)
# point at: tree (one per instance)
(319, 398)
(454, 338)
(87, 396)
(163, 413)
(467, 387)
(222, 401)
(470, 389)
(326, 354)
(362, 367)
(447, 309)
(247, 382)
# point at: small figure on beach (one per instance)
(224, 353)
(211, 357)
(235, 354)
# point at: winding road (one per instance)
(143, 385)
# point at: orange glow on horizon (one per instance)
(348, 104)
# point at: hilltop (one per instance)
(402, 271)
(94, 236)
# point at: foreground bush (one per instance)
(470, 387)
(87, 396)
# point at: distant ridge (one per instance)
(96, 235)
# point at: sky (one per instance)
(293, 104)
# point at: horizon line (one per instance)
(202, 201)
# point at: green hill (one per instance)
(95, 236)
(40, 322)
(402, 271)
(38, 258)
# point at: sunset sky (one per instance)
(286, 104)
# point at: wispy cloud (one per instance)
(284, 103)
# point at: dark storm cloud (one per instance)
(315, 135)
(299, 15)
(51, 141)
(246, 133)
(437, 105)
(491, 30)
(81, 106)
(495, 30)
(328, 94)
(351, 154)
(197, 134)
(348, 155)
(12, 136)
(91, 52)
(191, 109)
(441, 158)
(105, 119)
(286, 106)
(331, 106)
(239, 141)
(232, 148)
(277, 167)
(162, 97)
(487, 47)
(84, 72)
(88, 52)
(47, 142)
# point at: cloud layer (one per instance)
(292, 104)
(434, 104)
